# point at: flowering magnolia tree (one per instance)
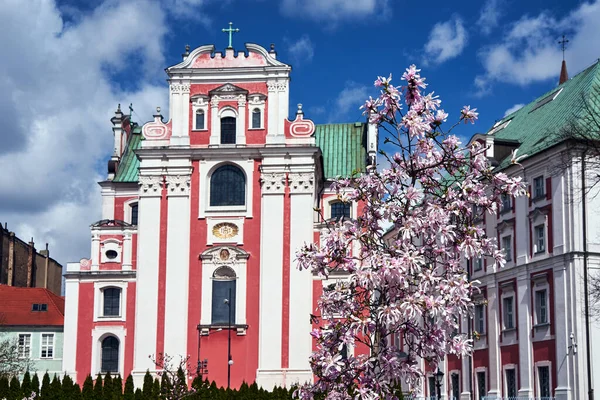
(412, 286)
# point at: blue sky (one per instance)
(67, 64)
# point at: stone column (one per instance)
(523, 307)
(493, 334)
(269, 371)
(178, 262)
(302, 189)
(147, 275)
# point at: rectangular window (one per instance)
(544, 381)
(511, 383)
(112, 302)
(432, 391)
(478, 264)
(507, 247)
(538, 187)
(134, 214)
(506, 206)
(480, 318)
(481, 387)
(455, 386)
(256, 117)
(199, 119)
(47, 345)
(540, 241)
(541, 306)
(24, 345)
(508, 312)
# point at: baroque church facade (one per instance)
(201, 217)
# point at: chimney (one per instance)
(46, 253)
(564, 76)
(11, 258)
(30, 261)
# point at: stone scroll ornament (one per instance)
(156, 130)
(301, 127)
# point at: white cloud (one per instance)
(58, 98)
(302, 50)
(347, 103)
(513, 109)
(333, 11)
(489, 16)
(446, 41)
(529, 51)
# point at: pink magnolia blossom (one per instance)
(411, 286)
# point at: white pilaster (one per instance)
(275, 132)
(178, 261)
(180, 117)
(127, 251)
(524, 325)
(562, 332)
(71, 320)
(301, 231)
(108, 202)
(214, 122)
(241, 122)
(146, 317)
(269, 371)
(493, 334)
(95, 251)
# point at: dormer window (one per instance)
(39, 307)
(228, 130)
(200, 120)
(256, 119)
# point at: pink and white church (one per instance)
(201, 218)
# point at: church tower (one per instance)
(201, 219)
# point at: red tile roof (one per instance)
(16, 307)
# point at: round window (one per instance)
(111, 254)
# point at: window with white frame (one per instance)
(24, 345)
(481, 385)
(111, 302)
(544, 381)
(540, 239)
(507, 247)
(199, 113)
(223, 296)
(541, 306)
(133, 209)
(47, 345)
(510, 375)
(480, 318)
(538, 187)
(508, 312)
(110, 355)
(256, 118)
(478, 264)
(340, 209)
(256, 105)
(432, 391)
(227, 186)
(455, 382)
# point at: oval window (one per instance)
(111, 254)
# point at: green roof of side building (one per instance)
(342, 145)
(129, 165)
(536, 126)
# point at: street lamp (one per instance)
(439, 378)
(229, 359)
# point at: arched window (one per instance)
(256, 118)
(340, 209)
(110, 354)
(223, 296)
(228, 130)
(112, 302)
(227, 187)
(199, 119)
(134, 214)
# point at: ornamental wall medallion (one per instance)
(225, 230)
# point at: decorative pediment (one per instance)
(224, 255)
(505, 225)
(539, 212)
(228, 89)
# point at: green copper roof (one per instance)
(128, 167)
(537, 125)
(343, 147)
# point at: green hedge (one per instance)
(112, 388)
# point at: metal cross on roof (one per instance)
(231, 31)
(563, 44)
